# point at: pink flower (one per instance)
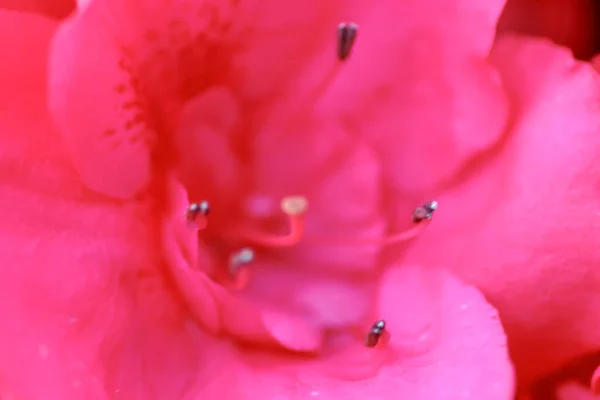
(104, 293)
(110, 294)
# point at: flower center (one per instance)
(247, 253)
(294, 209)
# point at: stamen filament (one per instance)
(294, 208)
(322, 87)
(421, 216)
(385, 241)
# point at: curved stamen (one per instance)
(294, 207)
(196, 214)
(421, 216)
(237, 260)
(375, 333)
(237, 273)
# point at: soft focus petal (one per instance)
(569, 23)
(51, 8)
(575, 391)
(595, 382)
(524, 227)
(33, 158)
(459, 352)
(99, 109)
(87, 308)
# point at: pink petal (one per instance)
(154, 57)
(99, 109)
(340, 177)
(595, 382)
(569, 23)
(51, 8)
(523, 225)
(209, 163)
(35, 173)
(86, 307)
(416, 88)
(217, 310)
(465, 358)
(575, 391)
(111, 109)
(282, 40)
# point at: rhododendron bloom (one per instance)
(214, 206)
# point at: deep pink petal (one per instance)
(51, 8)
(88, 309)
(155, 56)
(460, 352)
(575, 391)
(340, 176)
(98, 108)
(417, 87)
(35, 171)
(595, 382)
(524, 226)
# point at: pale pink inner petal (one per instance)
(469, 360)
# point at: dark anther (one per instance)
(197, 208)
(374, 333)
(346, 37)
(425, 211)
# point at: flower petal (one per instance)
(87, 308)
(595, 382)
(575, 391)
(523, 228)
(340, 176)
(35, 172)
(51, 8)
(217, 310)
(468, 359)
(98, 109)
(420, 92)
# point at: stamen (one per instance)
(375, 333)
(239, 259)
(294, 207)
(425, 211)
(196, 214)
(346, 37)
(422, 213)
(239, 276)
